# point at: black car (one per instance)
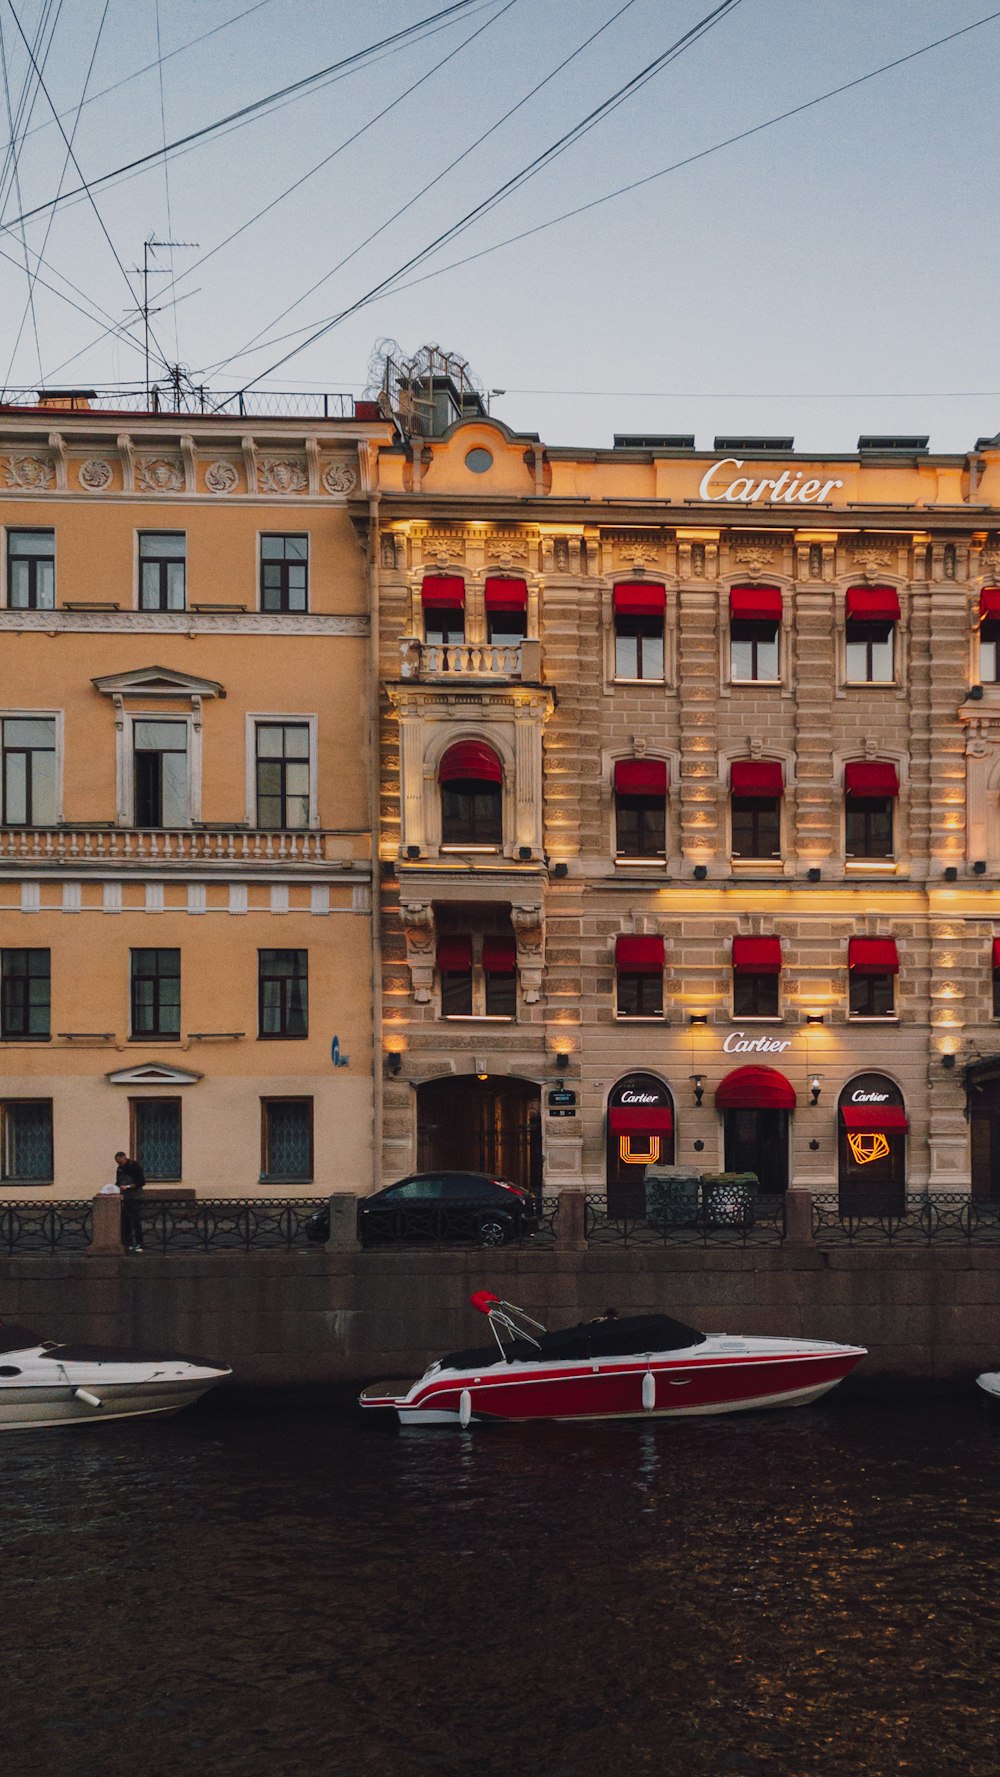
(448, 1206)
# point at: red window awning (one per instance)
(635, 596)
(873, 604)
(443, 589)
(641, 777)
(503, 593)
(470, 759)
(454, 953)
(989, 602)
(871, 777)
(996, 953)
(499, 956)
(757, 777)
(758, 604)
(873, 1116)
(639, 956)
(755, 1088)
(873, 956)
(652, 1119)
(757, 956)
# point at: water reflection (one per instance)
(253, 1588)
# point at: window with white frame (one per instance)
(161, 786)
(282, 768)
(29, 771)
(870, 635)
(31, 570)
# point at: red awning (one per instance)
(443, 589)
(639, 956)
(505, 594)
(873, 956)
(646, 1119)
(755, 1088)
(636, 596)
(470, 759)
(989, 602)
(641, 777)
(871, 777)
(996, 953)
(454, 953)
(758, 956)
(873, 604)
(499, 956)
(757, 777)
(759, 604)
(873, 1116)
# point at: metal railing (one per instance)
(458, 1224)
(177, 845)
(705, 1223)
(314, 404)
(932, 1218)
(33, 1227)
(215, 1224)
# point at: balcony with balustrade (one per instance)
(490, 661)
(94, 846)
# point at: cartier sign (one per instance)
(787, 489)
(738, 1043)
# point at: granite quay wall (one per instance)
(341, 1315)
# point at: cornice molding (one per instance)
(180, 623)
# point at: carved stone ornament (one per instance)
(388, 552)
(753, 559)
(276, 475)
(340, 478)
(529, 934)
(989, 562)
(698, 560)
(160, 475)
(640, 554)
(221, 478)
(445, 549)
(869, 561)
(95, 475)
(30, 472)
(418, 929)
(562, 555)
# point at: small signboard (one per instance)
(562, 1102)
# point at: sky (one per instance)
(828, 276)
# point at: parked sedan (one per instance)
(448, 1206)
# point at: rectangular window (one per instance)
(31, 570)
(756, 827)
(282, 775)
(156, 993)
(505, 629)
(869, 654)
(871, 996)
(29, 771)
(26, 1141)
(156, 1137)
(286, 1140)
(456, 993)
(25, 995)
(755, 996)
(160, 768)
(639, 995)
(641, 826)
(501, 994)
(996, 993)
(638, 646)
(868, 826)
(284, 572)
(989, 652)
(282, 993)
(162, 570)
(444, 624)
(753, 648)
(478, 976)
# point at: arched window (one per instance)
(640, 1134)
(471, 779)
(641, 808)
(872, 1146)
(756, 789)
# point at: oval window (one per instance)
(479, 460)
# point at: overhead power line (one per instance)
(247, 111)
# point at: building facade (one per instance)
(690, 834)
(185, 893)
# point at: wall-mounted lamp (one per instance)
(393, 1062)
(815, 1088)
(698, 1082)
(700, 872)
(698, 1018)
(560, 870)
(951, 874)
(814, 1017)
(562, 1062)
(979, 867)
(413, 851)
(814, 874)
(524, 853)
(482, 1076)
(948, 1060)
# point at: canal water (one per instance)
(270, 1586)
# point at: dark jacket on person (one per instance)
(130, 1176)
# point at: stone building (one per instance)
(185, 901)
(690, 831)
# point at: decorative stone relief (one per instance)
(950, 561)
(29, 472)
(160, 475)
(418, 930)
(869, 561)
(698, 560)
(221, 478)
(95, 475)
(443, 549)
(276, 475)
(640, 554)
(529, 933)
(753, 559)
(388, 552)
(815, 561)
(562, 555)
(340, 478)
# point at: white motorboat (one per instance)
(42, 1383)
(990, 1382)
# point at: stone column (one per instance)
(571, 1222)
(343, 1219)
(798, 1217)
(106, 1231)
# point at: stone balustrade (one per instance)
(178, 845)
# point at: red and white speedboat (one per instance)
(648, 1367)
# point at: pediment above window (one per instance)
(153, 1073)
(157, 681)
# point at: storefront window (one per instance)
(872, 1147)
(640, 1134)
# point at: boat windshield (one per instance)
(18, 1339)
(623, 1337)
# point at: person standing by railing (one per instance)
(130, 1180)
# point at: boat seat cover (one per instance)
(14, 1338)
(127, 1354)
(592, 1338)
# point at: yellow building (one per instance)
(185, 877)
